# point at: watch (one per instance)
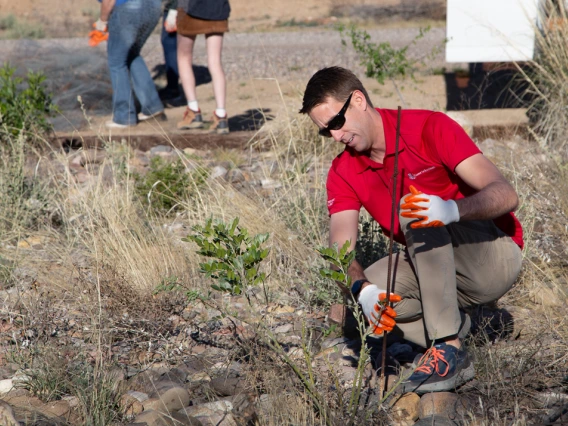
(357, 286)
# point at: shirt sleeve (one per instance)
(449, 142)
(340, 195)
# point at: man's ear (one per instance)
(360, 100)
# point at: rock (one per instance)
(270, 184)
(7, 417)
(155, 418)
(217, 172)
(160, 150)
(91, 156)
(6, 386)
(283, 329)
(219, 420)
(228, 386)
(209, 409)
(444, 404)
(130, 405)
(435, 421)
(405, 408)
(83, 176)
(32, 241)
(167, 398)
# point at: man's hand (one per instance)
(430, 209)
(380, 316)
(170, 24)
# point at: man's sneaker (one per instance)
(442, 368)
(191, 120)
(159, 116)
(220, 125)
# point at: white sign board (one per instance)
(490, 30)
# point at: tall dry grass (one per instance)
(105, 253)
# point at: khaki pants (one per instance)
(443, 269)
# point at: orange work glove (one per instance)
(430, 209)
(380, 316)
(99, 34)
(96, 36)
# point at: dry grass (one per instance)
(104, 253)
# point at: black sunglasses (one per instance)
(336, 122)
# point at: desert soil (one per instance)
(269, 54)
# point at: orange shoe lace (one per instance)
(436, 355)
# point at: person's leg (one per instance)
(409, 321)
(487, 262)
(120, 41)
(214, 48)
(432, 256)
(147, 17)
(185, 65)
(169, 46)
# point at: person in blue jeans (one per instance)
(129, 24)
(171, 93)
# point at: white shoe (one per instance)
(112, 125)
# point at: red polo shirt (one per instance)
(431, 145)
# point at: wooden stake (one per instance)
(391, 243)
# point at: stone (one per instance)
(153, 418)
(168, 397)
(7, 417)
(435, 421)
(217, 172)
(209, 409)
(92, 156)
(160, 149)
(282, 329)
(130, 405)
(405, 408)
(444, 404)
(228, 386)
(6, 386)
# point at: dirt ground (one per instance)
(68, 18)
(273, 93)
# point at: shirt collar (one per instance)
(362, 162)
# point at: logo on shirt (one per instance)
(330, 202)
(414, 176)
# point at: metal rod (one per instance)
(391, 243)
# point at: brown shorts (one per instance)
(190, 26)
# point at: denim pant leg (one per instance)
(169, 45)
(119, 44)
(130, 25)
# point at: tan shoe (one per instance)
(191, 120)
(220, 125)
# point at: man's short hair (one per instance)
(335, 82)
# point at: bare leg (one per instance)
(185, 65)
(214, 48)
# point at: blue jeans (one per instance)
(129, 26)
(169, 45)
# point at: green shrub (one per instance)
(24, 105)
(167, 184)
(235, 255)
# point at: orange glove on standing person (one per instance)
(380, 316)
(99, 34)
(430, 209)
